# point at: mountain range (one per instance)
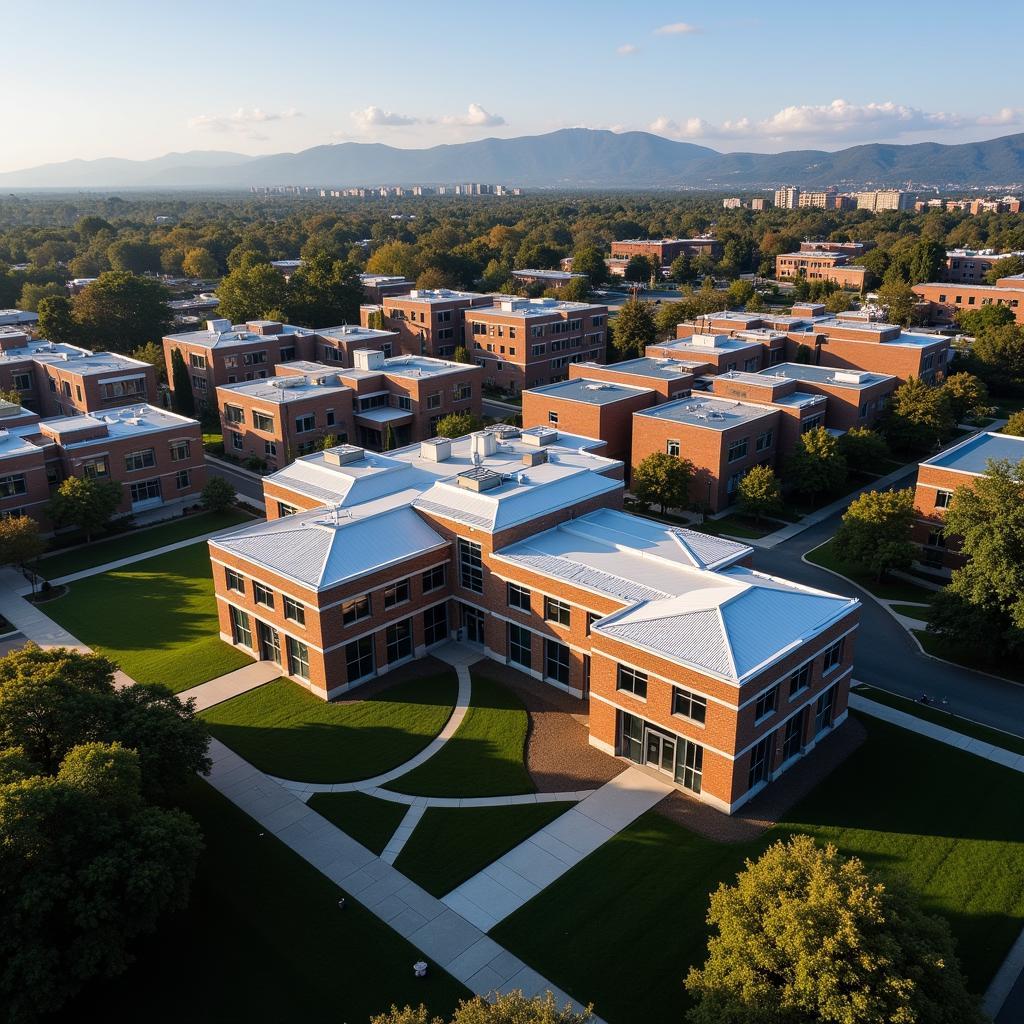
(570, 158)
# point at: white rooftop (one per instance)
(712, 344)
(511, 306)
(226, 335)
(130, 421)
(708, 411)
(291, 388)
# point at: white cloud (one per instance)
(677, 28)
(475, 117)
(242, 122)
(1008, 115)
(377, 117)
(627, 50)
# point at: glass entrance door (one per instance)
(660, 751)
(473, 620)
(270, 642)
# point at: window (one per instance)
(811, 423)
(833, 657)
(435, 579)
(330, 417)
(235, 581)
(13, 485)
(943, 499)
(689, 705)
(236, 441)
(145, 490)
(293, 611)
(672, 448)
(198, 383)
(553, 418)
(253, 358)
(240, 631)
(298, 658)
(396, 593)
(793, 738)
(234, 414)
(632, 681)
(689, 764)
(463, 392)
(592, 617)
(556, 662)
(356, 609)
(737, 450)
(262, 594)
(760, 762)
(764, 441)
(96, 469)
(183, 479)
(287, 353)
(197, 362)
(304, 424)
(270, 448)
(284, 509)
(134, 461)
(359, 658)
(261, 421)
(766, 704)
(398, 640)
(435, 624)
(180, 450)
(518, 597)
(21, 381)
(471, 570)
(434, 400)
(403, 402)
(632, 744)
(800, 680)
(520, 646)
(556, 611)
(823, 709)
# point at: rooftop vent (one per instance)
(437, 449)
(539, 436)
(218, 326)
(344, 455)
(368, 359)
(535, 458)
(598, 387)
(483, 443)
(479, 479)
(849, 377)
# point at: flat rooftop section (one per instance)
(973, 455)
(236, 335)
(17, 316)
(648, 366)
(660, 241)
(817, 254)
(547, 275)
(526, 308)
(918, 340)
(590, 392)
(40, 349)
(953, 286)
(864, 326)
(130, 421)
(437, 295)
(417, 367)
(710, 343)
(708, 411)
(378, 279)
(353, 332)
(290, 388)
(92, 363)
(854, 379)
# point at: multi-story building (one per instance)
(882, 348)
(715, 353)
(516, 544)
(547, 278)
(820, 265)
(856, 398)
(156, 455)
(851, 249)
(667, 378)
(787, 198)
(824, 199)
(885, 199)
(941, 300)
(19, 318)
(969, 266)
(732, 203)
(527, 343)
(378, 287)
(427, 321)
(759, 203)
(662, 251)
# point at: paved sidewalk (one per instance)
(231, 684)
(504, 886)
(403, 833)
(436, 930)
(27, 617)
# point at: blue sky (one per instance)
(139, 79)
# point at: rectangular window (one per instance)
(435, 579)
(556, 611)
(766, 704)
(355, 610)
(183, 479)
(396, 593)
(234, 414)
(556, 662)
(21, 381)
(689, 764)
(13, 485)
(632, 681)
(97, 469)
(471, 569)
(270, 448)
(943, 499)
(234, 580)
(518, 597)
(298, 658)
(632, 744)
(254, 358)
(800, 679)
(293, 611)
(196, 361)
(134, 461)
(592, 617)
(398, 640)
(737, 450)
(434, 400)
(553, 418)
(261, 421)
(793, 738)
(435, 624)
(689, 705)
(833, 657)
(144, 490)
(359, 658)
(764, 441)
(198, 383)
(403, 402)
(284, 509)
(236, 442)
(262, 594)
(463, 392)
(330, 417)
(287, 353)
(180, 450)
(304, 424)
(241, 633)
(672, 448)
(519, 646)
(823, 709)
(760, 762)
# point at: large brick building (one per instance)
(516, 544)
(426, 321)
(969, 266)
(820, 265)
(941, 300)
(662, 251)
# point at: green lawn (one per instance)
(451, 844)
(366, 819)
(888, 589)
(286, 731)
(485, 756)
(930, 713)
(137, 541)
(264, 942)
(737, 526)
(156, 618)
(949, 824)
(914, 611)
(969, 658)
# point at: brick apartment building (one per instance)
(378, 287)
(667, 378)
(515, 543)
(820, 265)
(942, 300)
(717, 353)
(969, 266)
(156, 455)
(229, 354)
(279, 418)
(662, 251)
(856, 398)
(939, 477)
(547, 278)
(426, 321)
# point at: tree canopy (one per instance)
(663, 480)
(875, 532)
(918, 417)
(816, 464)
(759, 493)
(632, 329)
(86, 503)
(510, 1008)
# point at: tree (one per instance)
(118, 312)
(457, 424)
(838, 302)
(926, 261)
(182, 397)
(20, 542)
(217, 495)
(978, 321)
(965, 395)
(898, 298)
(590, 261)
(323, 291)
(663, 480)
(199, 263)
(863, 449)
(632, 329)
(152, 352)
(738, 294)
(33, 294)
(1015, 424)
(398, 259)
(679, 270)
(918, 416)
(57, 322)
(1008, 266)
(875, 532)
(998, 354)
(804, 354)
(85, 503)
(511, 1008)
(252, 293)
(806, 936)
(576, 289)
(134, 257)
(639, 269)
(461, 355)
(816, 465)
(759, 493)
(90, 226)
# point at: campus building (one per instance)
(940, 300)
(696, 667)
(426, 321)
(378, 287)
(820, 265)
(662, 251)
(547, 278)
(969, 266)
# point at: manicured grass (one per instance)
(286, 731)
(914, 611)
(947, 823)
(888, 589)
(930, 713)
(156, 618)
(366, 819)
(485, 756)
(968, 658)
(264, 942)
(451, 844)
(737, 526)
(137, 541)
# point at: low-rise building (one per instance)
(856, 398)
(667, 378)
(718, 352)
(969, 266)
(20, 318)
(820, 265)
(942, 300)
(661, 251)
(378, 287)
(426, 321)
(547, 278)
(882, 348)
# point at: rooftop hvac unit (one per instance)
(344, 455)
(483, 443)
(437, 449)
(539, 436)
(479, 479)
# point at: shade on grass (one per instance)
(1007, 666)
(485, 756)
(286, 731)
(451, 844)
(156, 618)
(366, 819)
(137, 541)
(949, 824)
(263, 942)
(888, 589)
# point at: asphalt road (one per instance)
(242, 482)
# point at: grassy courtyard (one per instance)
(947, 823)
(286, 731)
(156, 618)
(887, 589)
(485, 756)
(366, 819)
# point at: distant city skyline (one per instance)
(120, 80)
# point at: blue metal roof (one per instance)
(974, 454)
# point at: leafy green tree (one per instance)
(1015, 424)
(134, 257)
(899, 298)
(806, 936)
(976, 322)
(461, 355)
(590, 261)
(395, 258)
(198, 262)
(680, 269)
(57, 321)
(632, 329)
(918, 416)
(863, 449)
(217, 495)
(663, 480)
(21, 543)
(510, 1008)
(816, 465)
(89, 226)
(153, 353)
(182, 396)
(875, 532)
(118, 312)
(838, 302)
(87, 504)
(33, 294)
(639, 269)
(759, 493)
(323, 292)
(252, 293)
(457, 424)
(1008, 266)
(576, 289)
(738, 294)
(998, 354)
(967, 396)
(927, 261)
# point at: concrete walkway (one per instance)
(504, 886)
(27, 617)
(231, 684)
